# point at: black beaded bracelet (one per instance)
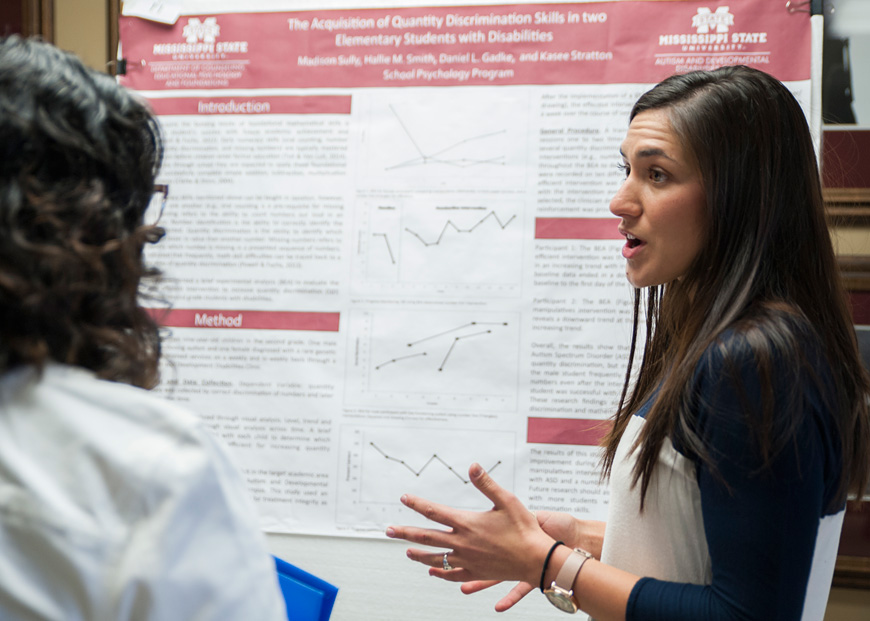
(547, 562)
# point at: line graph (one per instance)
(456, 340)
(447, 155)
(467, 138)
(386, 239)
(434, 458)
(452, 225)
(379, 464)
(447, 358)
(460, 243)
(399, 359)
(441, 244)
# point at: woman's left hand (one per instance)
(504, 543)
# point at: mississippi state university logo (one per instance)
(205, 31)
(714, 31)
(200, 43)
(706, 20)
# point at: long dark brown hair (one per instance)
(767, 272)
(78, 159)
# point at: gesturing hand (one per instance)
(504, 543)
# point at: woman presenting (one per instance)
(739, 436)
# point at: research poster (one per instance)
(389, 252)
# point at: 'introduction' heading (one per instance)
(233, 107)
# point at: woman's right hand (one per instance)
(586, 534)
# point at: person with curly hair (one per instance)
(114, 504)
(740, 435)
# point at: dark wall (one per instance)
(10, 17)
(846, 158)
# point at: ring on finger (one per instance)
(445, 563)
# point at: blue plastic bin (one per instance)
(307, 597)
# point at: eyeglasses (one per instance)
(158, 203)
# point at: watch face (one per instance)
(561, 599)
